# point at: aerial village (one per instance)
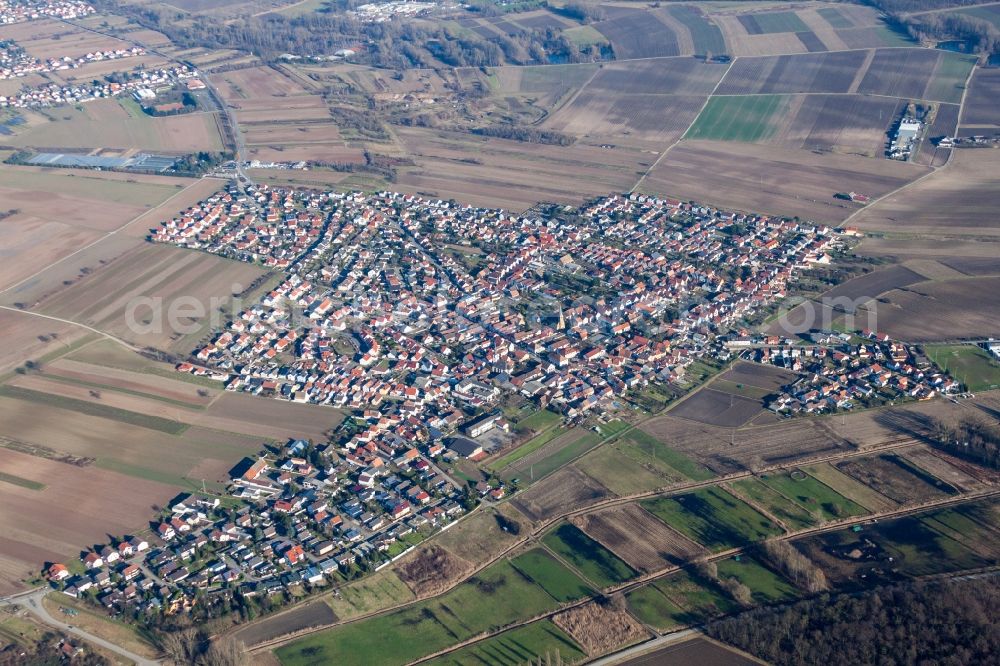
(16, 62)
(17, 11)
(418, 317)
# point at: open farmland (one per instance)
(762, 376)
(493, 598)
(638, 537)
(566, 489)
(105, 299)
(766, 586)
(774, 180)
(695, 598)
(917, 74)
(601, 566)
(936, 311)
(512, 174)
(705, 34)
(717, 408)
(981, 108)
(791, 514)
(119, 124)
(36, 525)
(770, 22)
(951, 202)
(553, 576)
(723, 450)
(638, 34)
(713, 518)
(29, 338)
(738, 118)
(896, 478)
(515, 647)
(813, 495)
(623, 474)
(821, 72)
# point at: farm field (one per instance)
(478, 538)
(649, 450)
(567, 488)
(516, 647)
(697, 598)
(980, 108)
(620, 473)
(553, 577)
(102, 299)
(813, 495)
(638, 537)
(712, 517)
(600, 566)
(917, 74)
(738, 118)
(766, 377)
(896, 478)
(556, 453)
(970, 364)
(792, 514)
(814, 73)
(850, 487)
(28, 337)
(120, 125)
(495, 597)
(638, 34)
(512, 174)
(766, 586)
(718, 408)
(371, 593)
(35, 525)
(773, 180)
(314, 614)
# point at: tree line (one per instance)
(949, 623)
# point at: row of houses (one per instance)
(53, 94)
(16, 62)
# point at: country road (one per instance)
(32, 601)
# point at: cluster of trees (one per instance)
(525, 134)
(946, 622)
(193, 647)
(739, 592)
(46, 652)
(392, 44)
(972, 439)
(797, 567)
(200, 162)
(982, 36)
(584, 12)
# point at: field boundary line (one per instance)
(687, 129)
(109, 234)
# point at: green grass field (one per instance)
(850, 487)
(699, 600)
(642, 446)
(585, 441)
(597, 563)
(538, 421)
(527, 448)
(551, 575)
(772, 22)
(651, 607)
(371, 593)
(738, 118)
(518, 646)
(833, 16)
(619, 473)
(713, 517)
(948, 82)
(767, 587)
(814, 496)
(585, 35)
(782, 508)
(20, 481)
(494, 598)
(969, 364)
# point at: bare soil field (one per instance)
(926, 459)
(431, 569)
(660, 76)
(511, 174)
(37, 525)
(284, 134)
(762, 376)
(875, 283)
(813, 73)
(888, 477)
(941, 249)
(845, 124)
(900, 73)
(639, 34)
(773, 180)
(320, 152)
(282, 419)
(957, 200)
(742, 43)
(981, 109)
(105, 299)
(638, 537)
(314, 614)
(717, 408)
(641, 121)
(48, 38)
(27, 337)
(599, 629)
(723, 450)
(567, 489)
(929, 311)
